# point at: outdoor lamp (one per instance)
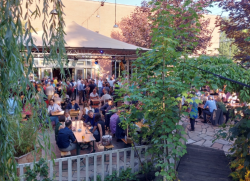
(54, 12)
(96, 62)
(115, 26)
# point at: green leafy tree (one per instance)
(227, 48)
(158, 78)
(16, 61)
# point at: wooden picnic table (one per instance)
(74, 113)
(140, 124)
(88, 136)
(61, 113)
(234, 105)
(95, 100)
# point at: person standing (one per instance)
(55, 81)
(111, 82)
(69, 89)
(50, 90)
(99, 84)
(91, 87)
(73, 83)
(81, 89)
(12, 105)
(193, 111)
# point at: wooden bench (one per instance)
(65, 154)
(128, 141)
(74, 113)
(107, 148)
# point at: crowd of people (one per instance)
(212, 102)
(62, 96)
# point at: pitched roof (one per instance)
(80, 37)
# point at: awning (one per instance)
(78, 37)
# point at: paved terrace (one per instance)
(204, 135)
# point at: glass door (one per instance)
(79, 74)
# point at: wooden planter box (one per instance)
(28, 158)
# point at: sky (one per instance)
(214, 10)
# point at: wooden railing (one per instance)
(94, 162)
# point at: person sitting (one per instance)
(53, 108)
(233, 98)
(105, 96)
(100, 127)
(67, 101)
(105, 109)
(73, 105)
(84, 115)
(67, 116)
(87, 107)
(57, 99)
(113, 120)
(66, 140)
(90, 119)
(94, 95)
(119, 133)
(212, 106)
(222, 106)
(59, 126)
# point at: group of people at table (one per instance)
(91, 117)
(211, 102)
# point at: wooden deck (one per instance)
(203, 164)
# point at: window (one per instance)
(88, 63)
(79, 74)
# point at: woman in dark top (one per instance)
(99, 126)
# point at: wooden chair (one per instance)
(95, 104)
(65, 154)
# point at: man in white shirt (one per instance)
(106, 96)
(111, 82)
(94, 95)
(53, 108)
(50, 90)
(99, 85)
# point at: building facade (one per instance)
(100, 19)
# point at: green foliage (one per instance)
(40, 169)
(221, 66)
(159, 76)
(16, 62)
(227, 49)
(125, 175)
(239, 133)
(28, 133)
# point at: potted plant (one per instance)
(24, 140)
